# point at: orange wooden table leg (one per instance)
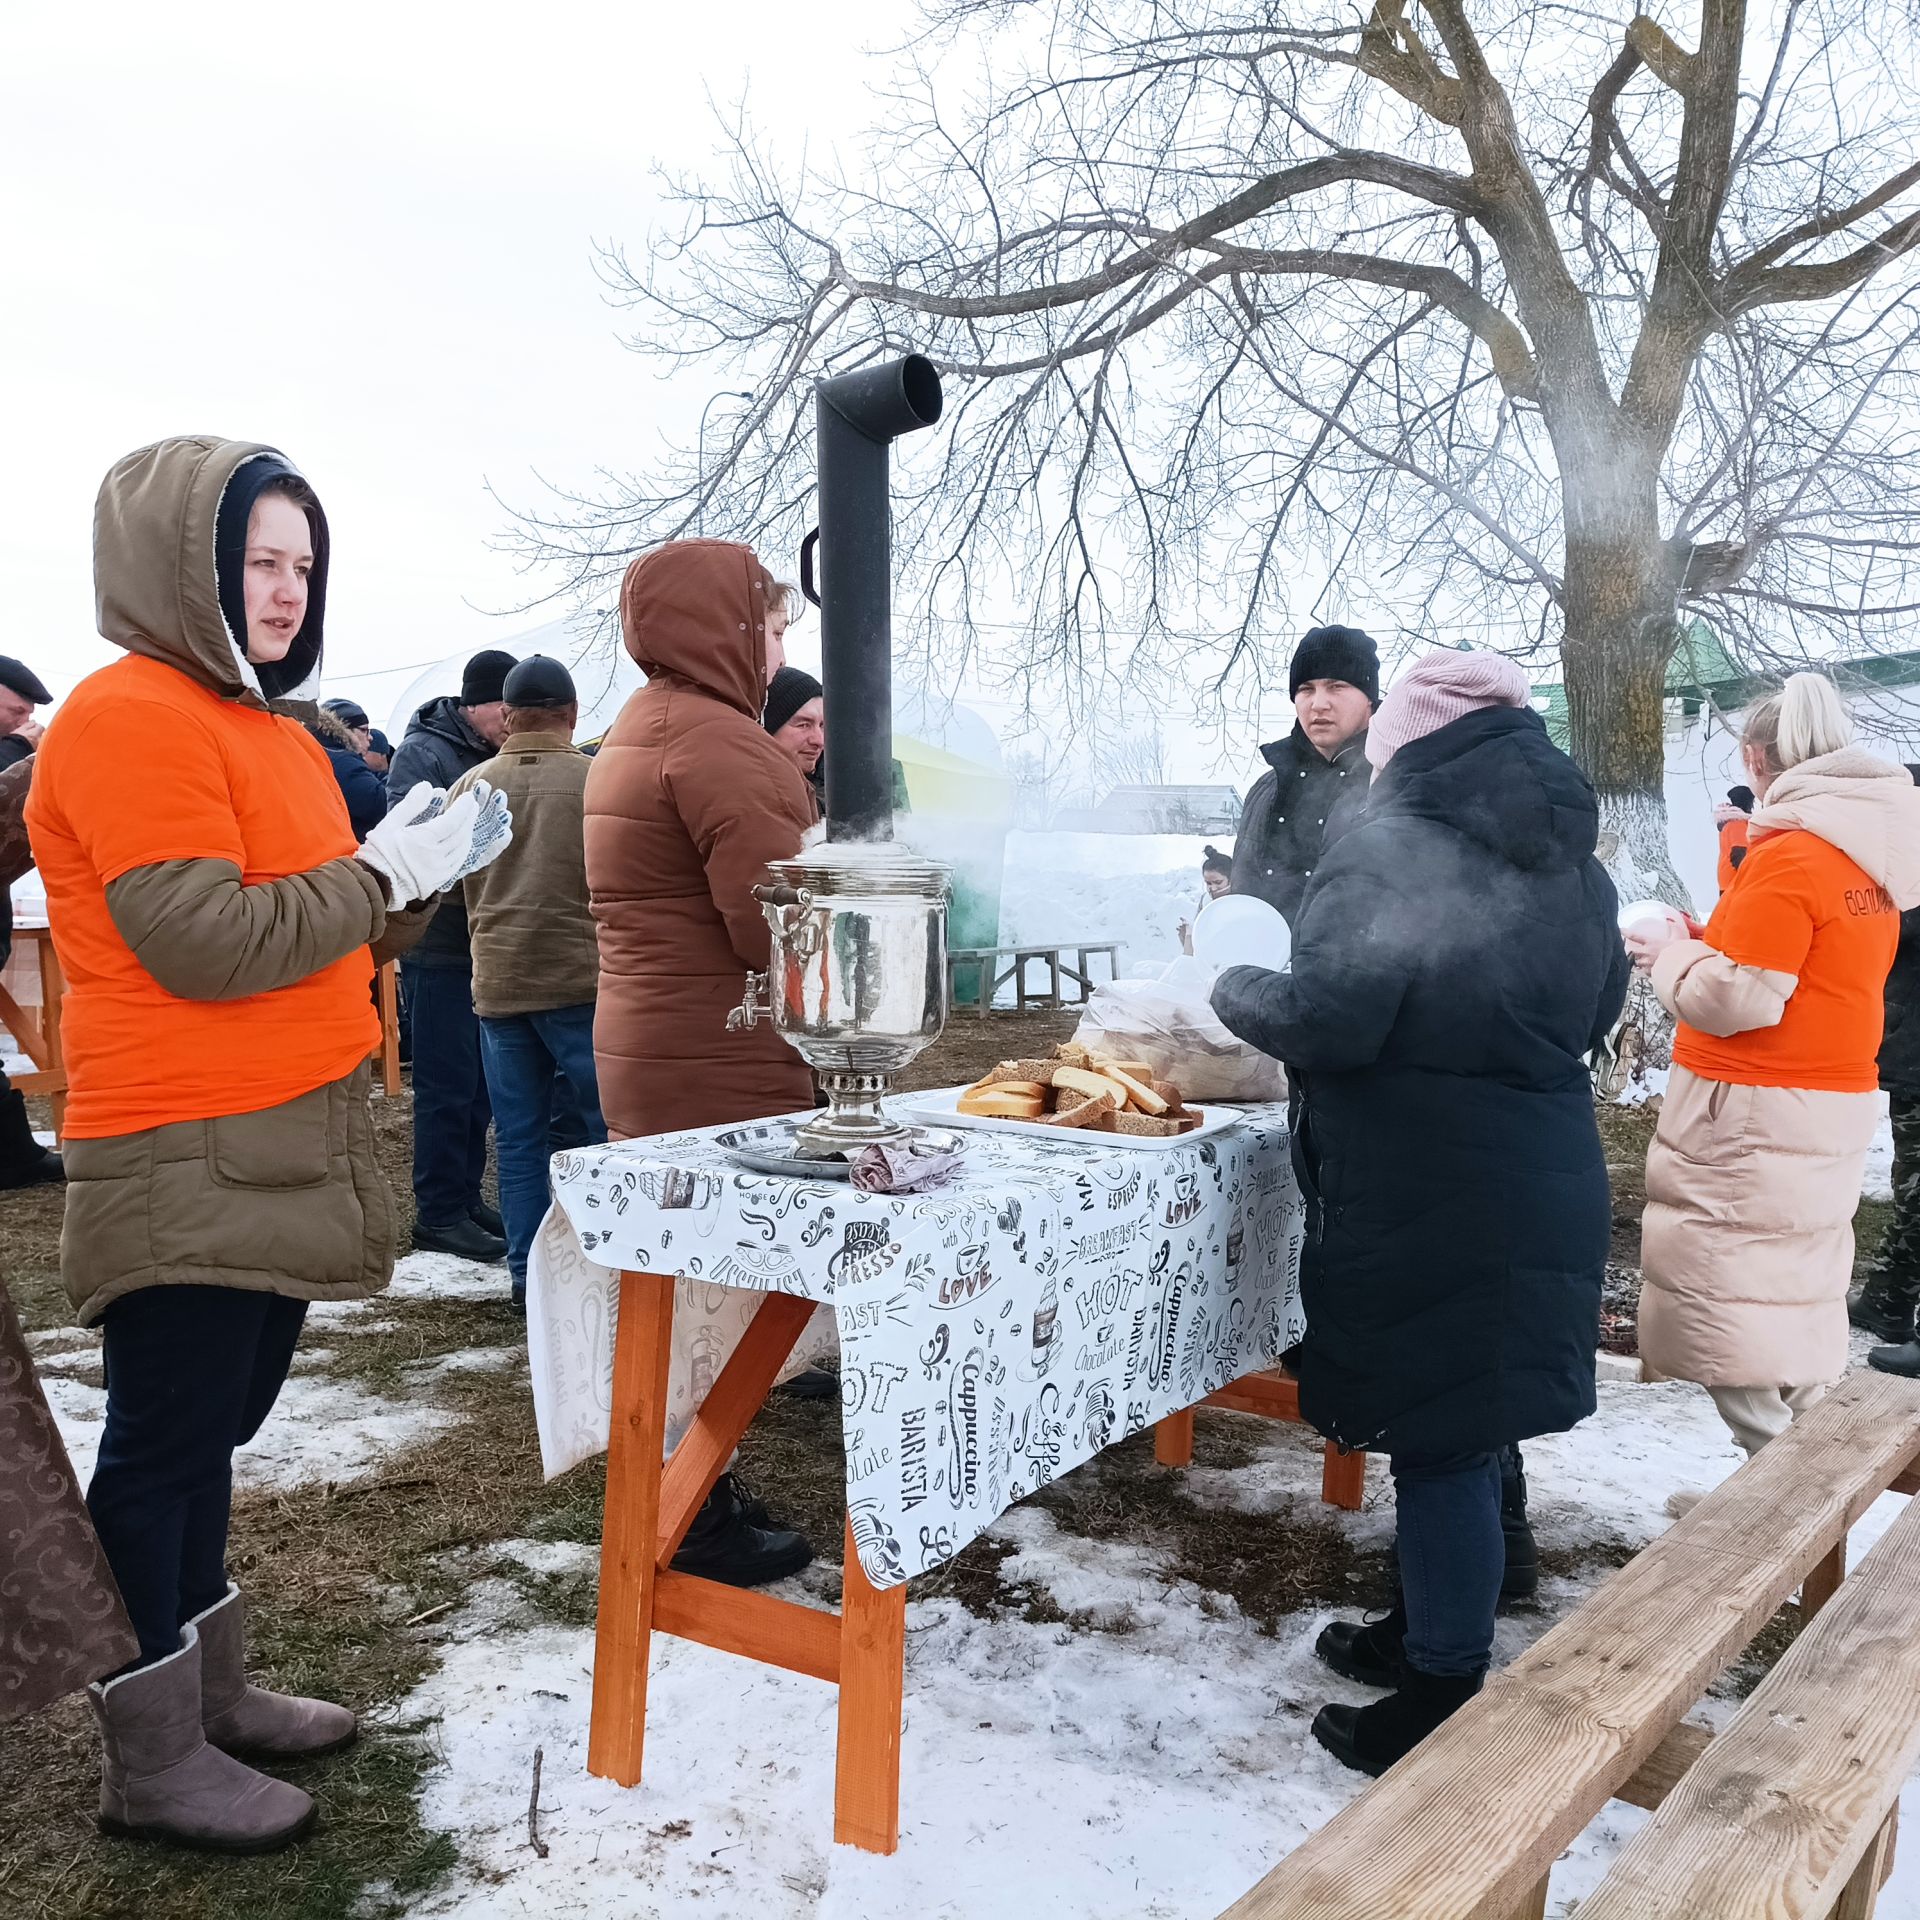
(1173, 1440)
(1343, 1478)
(388, 978)
(873, 1654)
(623, 1635)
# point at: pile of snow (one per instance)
(1060, 888)
(1877, 1182)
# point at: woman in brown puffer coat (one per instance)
(687, 802)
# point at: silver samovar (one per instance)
(857, 983)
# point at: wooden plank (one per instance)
(1666, 1766)
(1792, 1796)
(1533, 1906)
(734, 1620)
(1173, 1440)
(1905, 1482)
(1479, 1812)
(1343, 1478)
(387, 990)
(873, 1653)
(726, 1413)
(622, 1640)
(1271, 1395)
(1862, 1892)
(1824, 1581)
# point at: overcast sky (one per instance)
(363, 233)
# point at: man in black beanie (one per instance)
(445, 738)
(1318, 775)
(796, 716)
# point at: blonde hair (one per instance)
(786, 593)
(1804, 720)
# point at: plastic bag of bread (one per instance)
(1169, 1023)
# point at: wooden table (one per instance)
(861, 1649)
(1274, 1396)
(36, 1030)
(386, 990)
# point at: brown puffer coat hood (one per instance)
(697, 609)
(687, 801)
(155, 586)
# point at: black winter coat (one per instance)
(13, 750)
(1297, 810)
(438, 747)
(1900, 1043)
(1456, 955)
(363, 790)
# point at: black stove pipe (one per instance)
(858, 417)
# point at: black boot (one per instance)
(1370, 1739)
(487, 1219)
(815, 1384)
(24, 1162)
(1522, 1572)
(1903, 1359)
(462, 1239)
(1369, 1651)
(1883, 1307)
(726, 1543)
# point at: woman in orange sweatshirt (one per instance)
(1754, 1173)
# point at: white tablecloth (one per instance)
(994, 1333)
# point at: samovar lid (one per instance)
(864, 866)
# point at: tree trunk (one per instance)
(1621, 624)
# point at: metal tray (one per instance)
(940, 1108)
(767, 1146)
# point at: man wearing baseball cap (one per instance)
(447, 737)
(24, 1162)
(1317, 776)
(536, 955)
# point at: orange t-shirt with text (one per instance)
(1798, 905)
(144, 765)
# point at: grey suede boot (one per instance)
(248, 1720)
(160, 1780)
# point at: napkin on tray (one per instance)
(902, 1167)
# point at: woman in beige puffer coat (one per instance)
(1754, 1174)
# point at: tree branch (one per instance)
(1744, 291)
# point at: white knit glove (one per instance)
(423, 846)
(492, 829)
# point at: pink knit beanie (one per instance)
(1437, 689)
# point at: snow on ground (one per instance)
(322, 1428)
(1131, 887)
(1877, 1183)
(1148, 1761)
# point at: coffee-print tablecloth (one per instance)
(993, 1333)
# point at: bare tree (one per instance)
(1138, 758)
(1557, 320)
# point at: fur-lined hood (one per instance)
(1867, 807)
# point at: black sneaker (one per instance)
(1369, 1651)
(724, 1544)
(1370, 1739)
(487, 1219)
(462, 1239)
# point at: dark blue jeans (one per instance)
(524, 1053)
(450, 1111)
(191, 1374)
(1452, 1555)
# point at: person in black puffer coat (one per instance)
(1454, 958)
(1316, 778)
(1886, 1304)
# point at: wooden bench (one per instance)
(1791, 1810)
(1468, 1826)
(985, 963)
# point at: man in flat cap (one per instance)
(24, 1162)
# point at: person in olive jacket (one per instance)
(1316, 782)
(1455, 957)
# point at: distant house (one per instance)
(1197, 810)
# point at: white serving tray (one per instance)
(939, 1107)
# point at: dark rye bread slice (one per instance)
(1146, 1125)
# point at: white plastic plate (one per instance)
(940, 1108)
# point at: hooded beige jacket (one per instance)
(284, 1197)
(1747, 1239)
